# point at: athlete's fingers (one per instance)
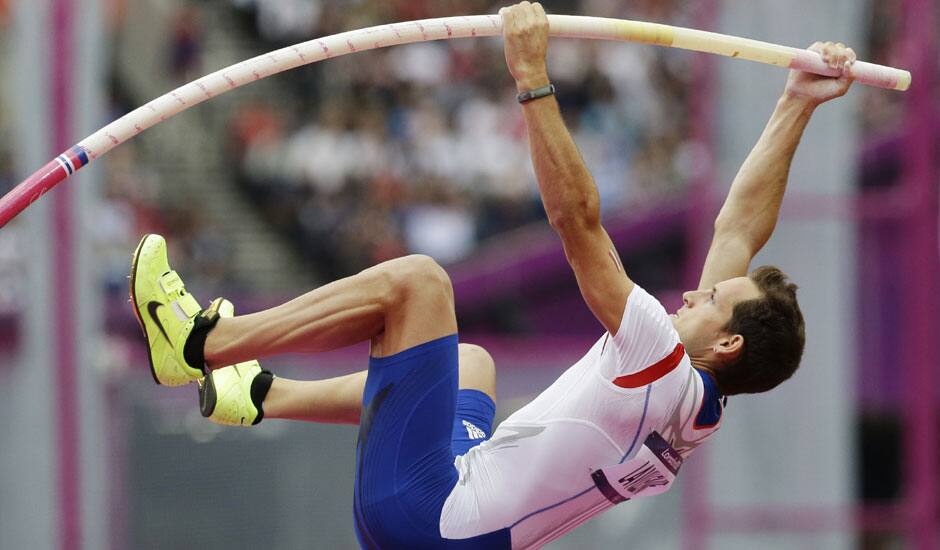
(521, 10)
(525, 15)
(833, 55)
(841, 55)
(519, 13)
(540, 14)
(822, 49)
(508, 17)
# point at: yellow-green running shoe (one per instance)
(225, 396)
(229, 395)
(165, 311)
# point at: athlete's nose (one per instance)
(690, 297)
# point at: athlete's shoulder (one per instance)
(643, 305)
(644, 317)
(646, 336)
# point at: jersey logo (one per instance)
(473, 432)
(654, 372)
(515, 434)
(649, 473)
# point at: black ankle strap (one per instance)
(259, 390)
(194, 349)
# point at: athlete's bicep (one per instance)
(728, 257)
(600, 274)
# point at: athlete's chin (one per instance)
(681, 329)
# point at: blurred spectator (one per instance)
(440, 225)
(283, 20)
(186, 45)
(130, 207)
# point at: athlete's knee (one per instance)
(418, 276)
(477, 369)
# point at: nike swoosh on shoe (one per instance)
(152, 310)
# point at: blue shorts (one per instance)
(414, 423)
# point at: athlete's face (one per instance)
(705, 313)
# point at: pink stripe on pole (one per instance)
(66, 393)
(29, 191)
(866, 73)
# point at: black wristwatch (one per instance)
(529, 95)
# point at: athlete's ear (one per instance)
(728, 347)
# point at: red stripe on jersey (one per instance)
(654, 372)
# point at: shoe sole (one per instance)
(140, 320)
(207, 396)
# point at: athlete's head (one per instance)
(748, 331)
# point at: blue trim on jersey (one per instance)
(710, 413)
(636, 437)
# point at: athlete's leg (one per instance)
(339, 400)
(333, 401)
(397, 305)
(477, 369)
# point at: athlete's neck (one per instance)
(702, 365)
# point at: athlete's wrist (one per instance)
(793, 101)
(531, 81)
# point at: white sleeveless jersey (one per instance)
(534, 475)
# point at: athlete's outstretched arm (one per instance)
(750, 212)
(568, 192)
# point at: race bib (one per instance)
(649, 473)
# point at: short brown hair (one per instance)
(774, 336)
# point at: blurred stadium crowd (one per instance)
(422, 148)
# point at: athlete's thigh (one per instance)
(404, 458)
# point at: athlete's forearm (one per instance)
(750, 212)
(568, 192)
